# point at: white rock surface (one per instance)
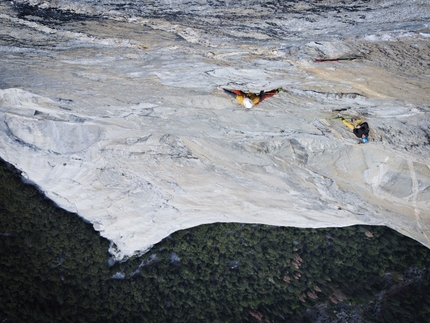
(120, 121)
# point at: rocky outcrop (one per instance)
(112, 110)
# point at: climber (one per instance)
(250, 99)
(360, 129)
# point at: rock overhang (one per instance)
(131, 134)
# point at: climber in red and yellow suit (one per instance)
(250, 99)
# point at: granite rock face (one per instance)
(111, 108)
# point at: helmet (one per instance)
(247, 102)
(364, 140)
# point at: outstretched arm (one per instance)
(265, 95)
(232, 93)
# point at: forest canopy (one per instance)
(55, 267)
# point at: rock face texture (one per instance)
(111, 108)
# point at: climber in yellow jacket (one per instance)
(250, 99)
(360, 129)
